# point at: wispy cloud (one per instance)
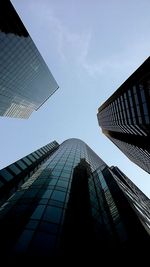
(71, 46)
(74, 48)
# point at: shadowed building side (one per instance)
(125, 117)
(75, 206)
(78, 218)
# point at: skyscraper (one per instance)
(25, 80)
(74, 206)
(125, 117)
(14, 175)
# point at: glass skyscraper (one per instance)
(125, 117)
(25, 80)
(14, 175)
(73, 206)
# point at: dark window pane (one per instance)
(32, 224)
(14, 168)
(35, 155)
(37, 214)
(62, 183)
(39, 153)
(47, 193)
(1, 184)
(58, 195)
(6, 174)
(21, 164)
(31, 158)
(52, 214)
(26, 160)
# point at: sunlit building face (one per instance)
(25, 80)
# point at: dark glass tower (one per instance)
(125, 117)
(14, 175)
(74, 206)
(25, 80)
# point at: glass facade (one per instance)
(69, 203)
(125, 117)
(25, 80)
(138, 200)
(14, 175)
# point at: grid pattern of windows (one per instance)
(49, 187)
(127, 114)
(144, 104)
(15, 174)
(138, 155)
(106, 206)
(139, 202)
(25, 80)
(38, 210)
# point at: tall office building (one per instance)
(25, 80)
(125, 117)
(14, 175)
(74, 207)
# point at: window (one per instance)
(147, 119)
(64, 174)
(47, 193)
(43, 201)
(21, 164)
(32, 224)
(35, 155)
(39, 153)
(56, 173)
(58, 195)
(27, 161)
(31, 158)
(44, 149)
(14, 168)
(1, 184)
(37, 214)
(62, 183)
(6, 174)
(52, 214)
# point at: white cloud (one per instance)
(71, 46)
(74, 48)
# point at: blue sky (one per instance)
(91, 48)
